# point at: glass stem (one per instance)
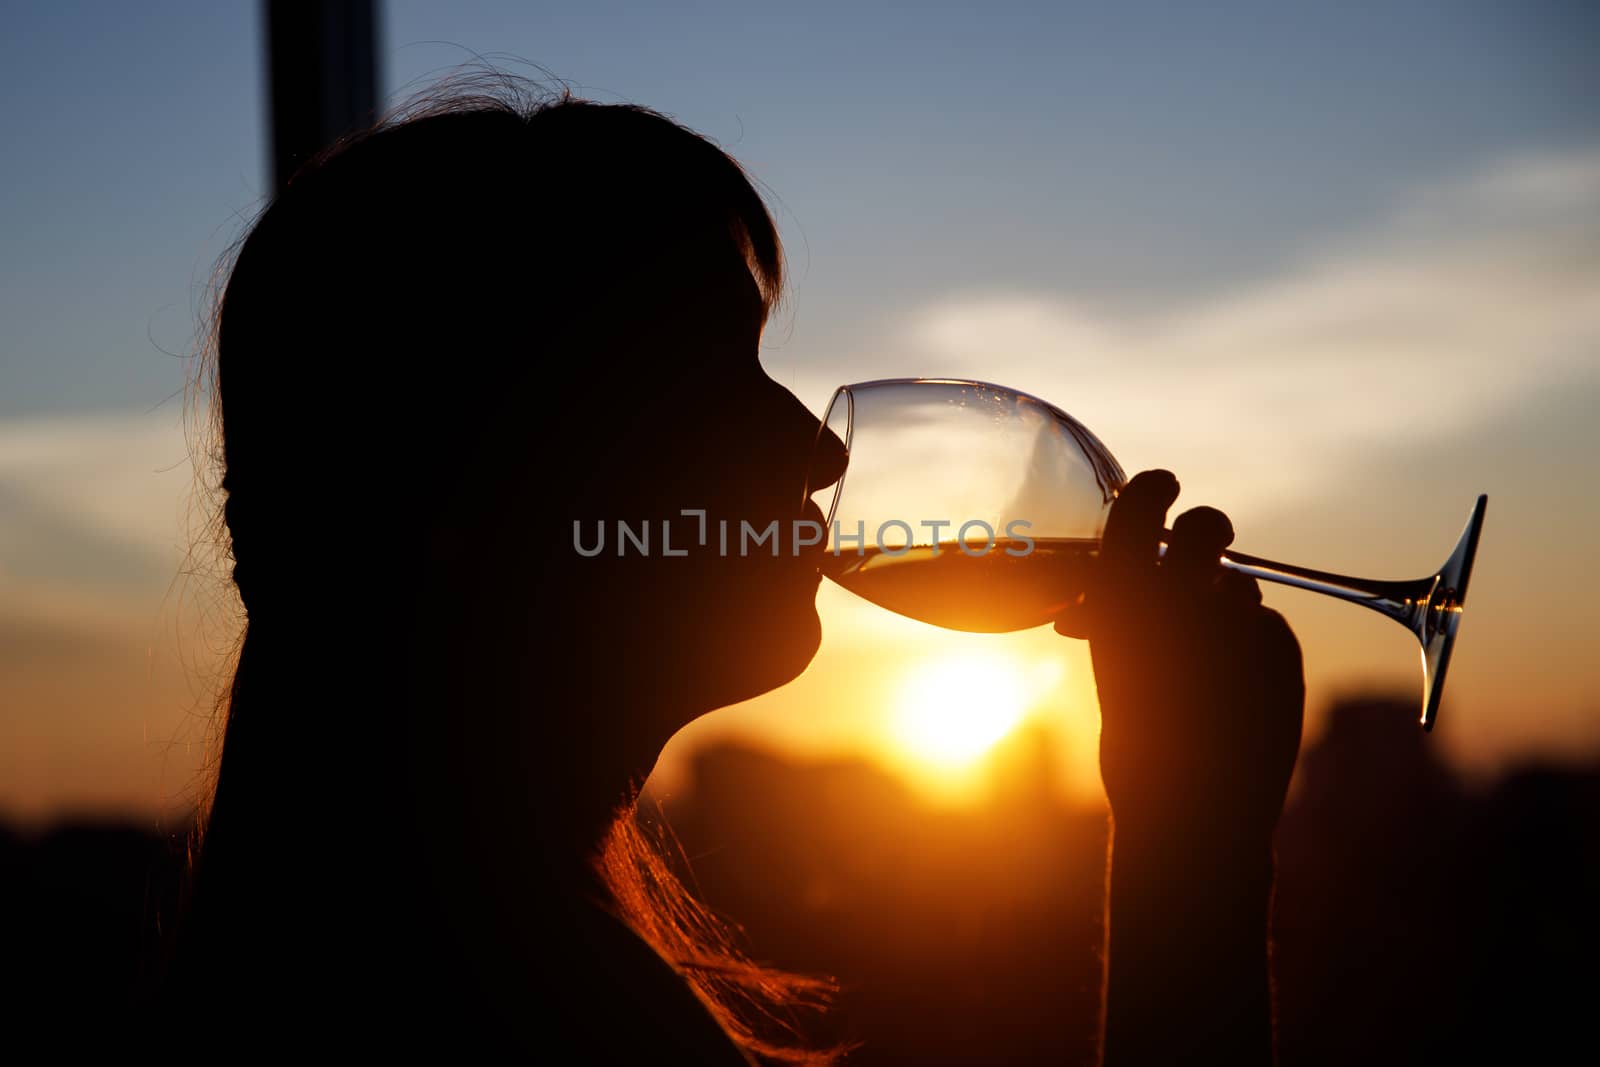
(1429, 607)
(1406, 602)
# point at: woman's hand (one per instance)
(1201, 691)
(1201, 697)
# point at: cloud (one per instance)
(106, 672)
(95, 511)
(1458, 310)
(1465, 304)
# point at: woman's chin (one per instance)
(763, 658)
(807, 640)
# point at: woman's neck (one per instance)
(533, 743)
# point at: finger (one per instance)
(1134, 527)
(1282, 677)
(1073, 620)
(1194, 551)
(1239, 589)
(1280, 648)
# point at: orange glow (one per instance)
(952, 710)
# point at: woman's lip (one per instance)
(814, 514)
(814, 553)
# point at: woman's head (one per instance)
(455, 336)
(446, 344)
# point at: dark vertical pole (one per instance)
(322, 76)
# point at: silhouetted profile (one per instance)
(446, 342)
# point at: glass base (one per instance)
(1441, 615)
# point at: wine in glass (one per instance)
(975, 507)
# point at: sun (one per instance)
(952, 710)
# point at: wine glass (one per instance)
(976, 507)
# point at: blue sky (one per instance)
(1134, 155)
(1337, 265)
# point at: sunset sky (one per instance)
(1338, 269)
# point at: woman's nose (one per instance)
(828, 458)
(819, 447)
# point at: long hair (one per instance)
(265, 464)
(761, 1007)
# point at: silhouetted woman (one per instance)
(445, 342)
